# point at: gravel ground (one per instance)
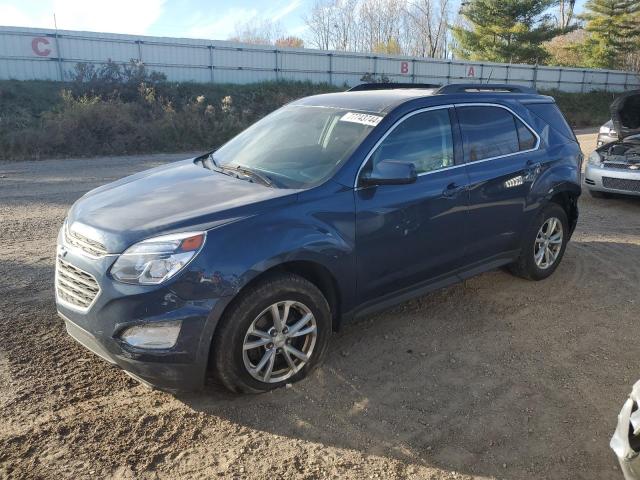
(496, 377)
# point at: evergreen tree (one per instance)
(614, 28)
(509, 31)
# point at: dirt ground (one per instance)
(493, 378)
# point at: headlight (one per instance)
(156, 260)
(605, 130)
(594, 159)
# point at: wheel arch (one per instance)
(568, 200)
(312, 271)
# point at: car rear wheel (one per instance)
(275, 333)
(544, 244)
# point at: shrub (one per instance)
(126, 109)
(584, 109)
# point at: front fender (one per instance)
(318, 227)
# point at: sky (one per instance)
(208, 19)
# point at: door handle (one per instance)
(452, 189)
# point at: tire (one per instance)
(598, 194)
(237, 354)
(527, 266)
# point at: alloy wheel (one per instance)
(548, 243)
(279, 341)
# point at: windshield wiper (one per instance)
(253, 173)
(211, 163)
(237, 171)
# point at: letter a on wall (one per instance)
(471, 72)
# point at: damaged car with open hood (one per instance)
(614, 168)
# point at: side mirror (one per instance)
(390, 172)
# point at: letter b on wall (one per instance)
(404, 67)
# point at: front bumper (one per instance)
(612, 180)
(120, 306)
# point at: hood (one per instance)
(625, 113)
(175, 197)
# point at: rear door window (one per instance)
(489, 132)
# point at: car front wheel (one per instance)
(544, 244)
(275, 333)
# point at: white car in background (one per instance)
(626, 439)
(615, 167)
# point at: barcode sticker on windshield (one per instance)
(363, 118)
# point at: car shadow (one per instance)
(496, 376)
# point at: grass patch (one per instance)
(114, 114)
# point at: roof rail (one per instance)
(391, 85)
(484, 87)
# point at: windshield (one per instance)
(297, 146)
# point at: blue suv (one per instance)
(238, 264)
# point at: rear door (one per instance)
(503, 160)
(408, 234)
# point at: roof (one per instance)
(384, 100)
(376, 101)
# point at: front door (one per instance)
(410, 234)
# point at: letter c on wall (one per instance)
(37, 49)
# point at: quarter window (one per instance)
(526, 140)
(424, 139)
(489, 132)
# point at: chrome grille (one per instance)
(87, 245)
(621, 184)
(75, 286)
(622, 166)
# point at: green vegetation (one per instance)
(509, 31)
(129, 111)
(117, 111)
(614, 32)
(607, 34)
(584, 109)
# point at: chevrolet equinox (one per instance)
(238, 264)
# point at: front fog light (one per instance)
(153, 335)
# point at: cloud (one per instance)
(114, 16)
(283, 12)
(118, 16)
(220, 26)
(13, 16)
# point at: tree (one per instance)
(257, 32)
(290, 41)
(319, 23)
(428, 27)
(510, 31)
(614, 32)
(565, 13)
(566, 50)
(391, 47)
(380, 23)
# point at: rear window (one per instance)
(551, 114)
